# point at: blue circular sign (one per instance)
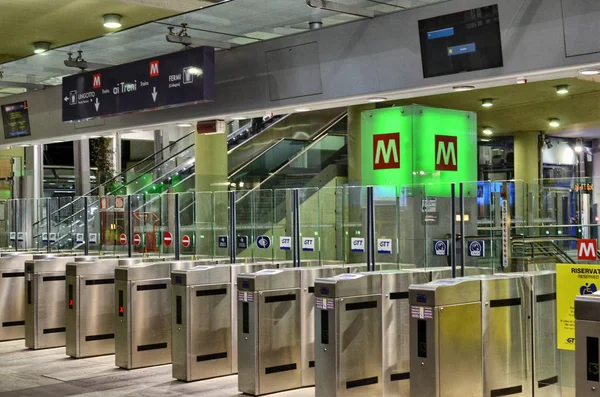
(263, 242)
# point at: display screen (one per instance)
(15, 118)
(461, 42)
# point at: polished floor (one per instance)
(50, 373)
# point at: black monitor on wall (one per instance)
(461, 42)
(15, 119)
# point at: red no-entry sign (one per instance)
(137, 239)
(185, 241)
(168, 238)
(123, 239)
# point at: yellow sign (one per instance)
(571, 281)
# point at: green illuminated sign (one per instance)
(416, 145)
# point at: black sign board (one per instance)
(15, 118)
(170, 80)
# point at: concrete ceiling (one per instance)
(61, 22)
(528, 107)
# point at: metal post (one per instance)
(232, 232)
(296, 227)
(129, 227)
(48, 223)
(463, 245)
(16, 224)
(177, 239)
(370, 230)
(453, 223)
(86, 242)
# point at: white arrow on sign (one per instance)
(66, 99)
(97, 104)
(154, 94)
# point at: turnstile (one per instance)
(269, 331)
(587, 348)
(445, 339)
(12, 288)
(348, 330)
(142, 314)
(45, 320)
(90, 296)
(201, 322)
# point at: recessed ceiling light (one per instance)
(94, 136)
(303, 110)
(239, 118)
(461, 88)
(112, 21)
(554, 123)
(377, 99)
(41, 46)
(487, 131)
(183, 125)
(25, 145)
(589, 72)
(57, 141)
(487, 103)
(562, 89)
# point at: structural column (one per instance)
(81, 156)
(211, 156)
(355, 143)
(34, 191)
(116, 153)
(527, 158)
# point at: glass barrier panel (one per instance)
(114, 224)
(331, 203)
(436, 215)
(220, 225)
(386, 227)
(152, 227)
(93, 219)
(311, 244)
(354, 220)
(413, 218)
(283, 225)
(261, 227)
(244, 222)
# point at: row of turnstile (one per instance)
(347, 332)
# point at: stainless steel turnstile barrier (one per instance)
(445, 339)
(143, 314)
(348, 330)
(45, 317)
(587, 348)
(269, 331)
(201, 322)
(90, 297)
(308, 277)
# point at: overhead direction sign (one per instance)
(175, 79)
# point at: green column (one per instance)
(211, 159)
(355, 143)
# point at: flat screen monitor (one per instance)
(461, 42)
(15, 118)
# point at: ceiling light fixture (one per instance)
(41, 46)
(184, 125)
(562, 89)
(462, 88)
(112, 21)
(487, 131)
(377, 99)
(239, 118)
(487, 103)
(303, 110)
(589, 72)
(554, 123)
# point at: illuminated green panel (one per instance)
(437, 147)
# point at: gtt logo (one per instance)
(386, 151)
(587, 249)
(97, 81)
(446, 153)
(153, 68)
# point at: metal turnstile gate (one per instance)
(269, 331)
(348, 304)
(45, 320)
(142, 314)
(201, 322)
(587, 348)
(90, 296)
(445, 339)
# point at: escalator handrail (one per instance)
(229, 151)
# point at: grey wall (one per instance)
(354, 59)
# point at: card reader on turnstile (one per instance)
(269, 331)
(90, 297)
(348, 332)
(142, 313)
(445, 339)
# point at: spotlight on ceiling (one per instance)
(562, 89)
(303, 110)
(589, 72)
(487, 131)
(462, 88)
(487, 103)
(377, 99)
(112, 21)
(184, 125)
(579, 145)
(41, 46)
(554, 123)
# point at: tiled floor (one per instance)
(51, 373)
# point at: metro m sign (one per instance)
(386, 151)
(446, 153)
(587, 249)
(97, 81)
(154, 69)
